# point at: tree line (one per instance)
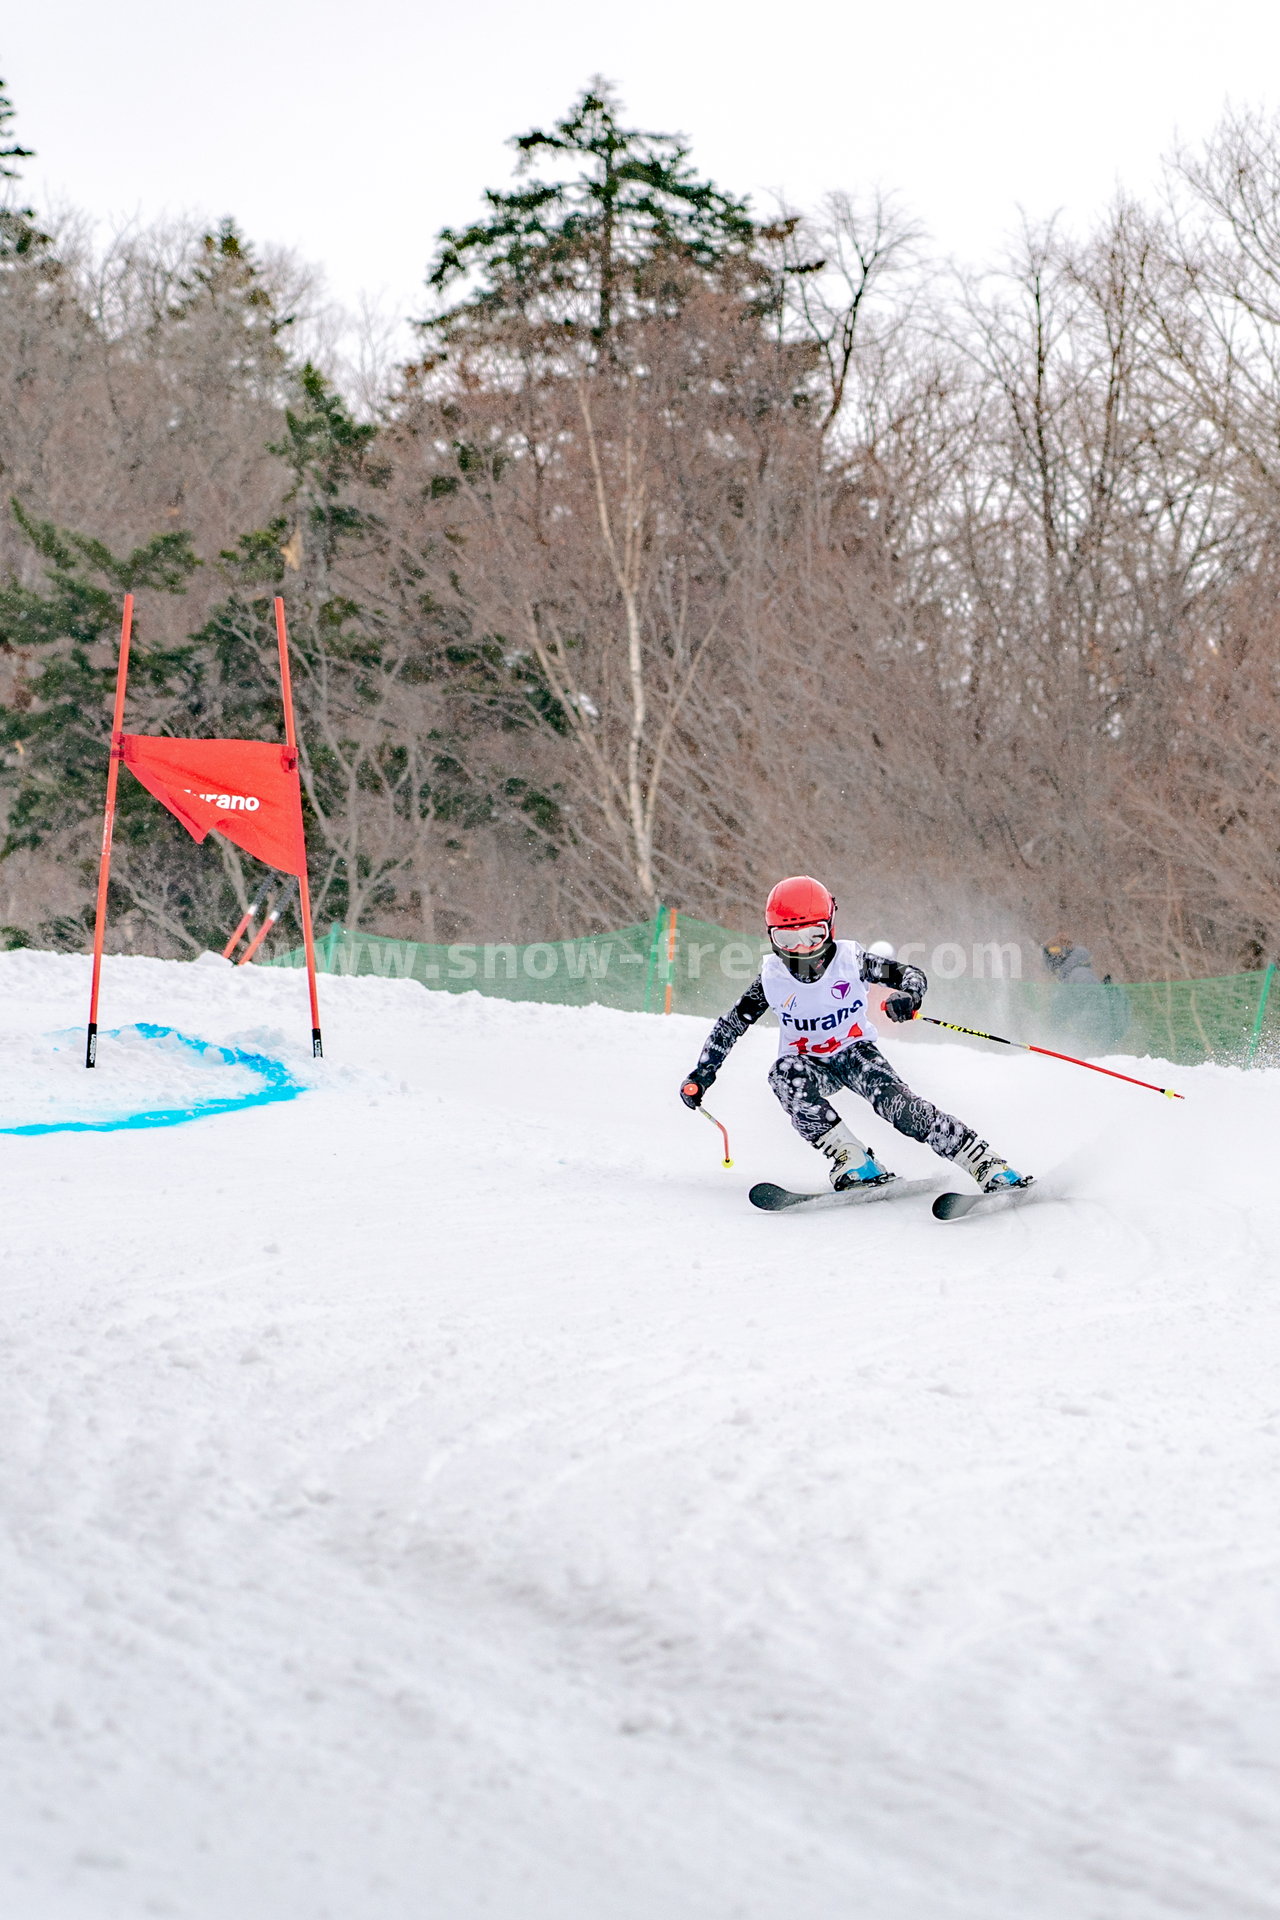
(691, 546)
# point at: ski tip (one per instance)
(958, 1206)
(770, 1198)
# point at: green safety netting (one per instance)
(675, 963)
(1234, 1020)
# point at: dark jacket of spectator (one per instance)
(1069, 964)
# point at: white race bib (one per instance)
(823, 1016)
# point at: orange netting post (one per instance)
(671, 958)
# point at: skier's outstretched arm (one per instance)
(909, 984)
(728, 1029)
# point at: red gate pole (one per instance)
(304, 891)
(259, 937)
(277, 908)
(250, 914)
(108, 827)
(230, 947)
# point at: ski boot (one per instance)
(992, 1174)
(852, 1164)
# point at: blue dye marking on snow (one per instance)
(277, 1083)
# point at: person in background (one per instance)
(1071, 965)
(1095, 1015)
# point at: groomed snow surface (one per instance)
(442, 1496)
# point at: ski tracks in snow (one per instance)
(445, 1494)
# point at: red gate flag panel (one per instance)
(247, 789)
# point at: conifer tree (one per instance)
(224, 279)
(56, 727)
(17, 235)
(12, 151)
(369, 773)
(568, 249)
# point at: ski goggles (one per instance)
(800, 939)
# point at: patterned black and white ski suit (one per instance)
(808, 1067)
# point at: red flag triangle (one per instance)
(247, 789)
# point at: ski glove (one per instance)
(696, 1085)
(901, 1006)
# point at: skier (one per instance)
(816, 985)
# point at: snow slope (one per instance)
(441, 1495)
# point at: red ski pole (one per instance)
(1048, 1052)
(727, 1161)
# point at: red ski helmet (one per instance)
(797, 902)
(798, 915)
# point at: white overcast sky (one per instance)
(353, 129)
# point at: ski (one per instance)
(962, 1206)
(771, 1199)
